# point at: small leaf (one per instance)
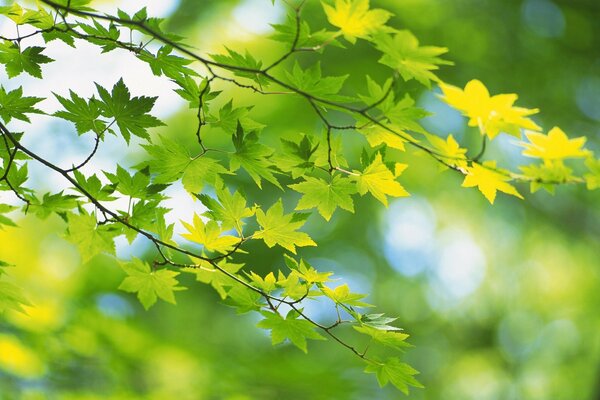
(209, 235)
(130, 113)
(14, 105)
(280, 229)
(355, 19)
(380, 181)
(392, 370)
(554, 146)
(489, 181)
(89, 237)
(149, 285)
(403, 53)
(292, 327)
(326, 196)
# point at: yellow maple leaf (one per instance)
(492, 114)
(208, 235)
(489, 181)
(380, 181)
(449, 150)
(377, 135)
(553, 146)
(354, 18)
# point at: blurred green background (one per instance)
(501, 302)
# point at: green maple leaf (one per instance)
(243, 298)
(343, 295)
(326, 196)
(171, 161)
(190, 90)
(102, 36)
(165, 63)
(230, 209)
(253, 157)
(389, 338)
(394, 371)
(297, 158)
(135, 185)
(90, 238)
(550, 171)
(266, 284)
(94, 187)
(207, 273)
(403, 53)
(168, 160)
(291, 327)
(404, 115)
(288, 32)
(39, 18)
(14, 105)
(16, 61)
(292, 286)
(130, 113)
(229, 118)
(245, 61)
(203, 170)
(310, 81)
(85, 114)
(280, 229)
(149, 285)
(305, 271)
(61, 33)
(58, 203)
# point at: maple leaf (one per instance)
(305, 271)
(390, 338)
(16, 61)
(203, 170)
(266, 284)
(14, 105)
(164, 63)
(207, 273)
(394, 371)
(342, 294)
(492, 114)
(449, 149)
(253, 157)
(149, 285)
(230, 209)
(209, 235)
(489, 181)
(281, 229)
(326, 196)
(89, 237)
(311, 81)
(553, 146)
(293, 328)
(403, 53)
(377, 134)
(380, 181)
(84, 114)
(130, 113)
(547, 175)
(354, 18)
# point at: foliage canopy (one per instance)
(229, 143)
